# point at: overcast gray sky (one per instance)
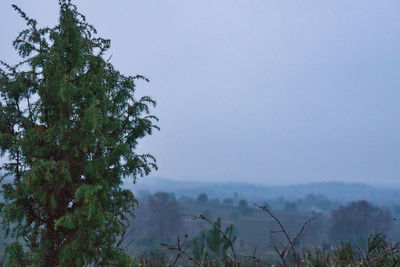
(259, 91)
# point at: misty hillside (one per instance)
(335, 191)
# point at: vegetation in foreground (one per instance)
(217, 246)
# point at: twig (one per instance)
(299, 233)
(179, 247)
(109, 58)
(254, 257)
(234, 255)
(389, 252)
(292, 242)
(281, 255)
(125, 234)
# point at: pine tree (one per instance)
(212, 245)
(69, 126)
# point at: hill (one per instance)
(335, 191)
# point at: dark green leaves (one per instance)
(70, 124)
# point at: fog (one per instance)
(266, 92)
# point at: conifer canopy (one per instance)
(69, 127)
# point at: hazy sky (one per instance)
(262, 91)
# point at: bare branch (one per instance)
(180, 248)
(234, 255)
(291, 242)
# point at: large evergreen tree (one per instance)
(69, 126)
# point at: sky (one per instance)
(255, 91)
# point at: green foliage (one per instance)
(381, 252)
(16, 255)
(378, 252)
(69, 125)
(211, 245)
(344, 254)
(155, 258)
(316, 258)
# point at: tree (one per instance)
(69, 125)
(212, 244)
(165, 219)
(228, 201)
(202, 198)
(290, 207)
(244, 207)
(358, 219)
(243, 204)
